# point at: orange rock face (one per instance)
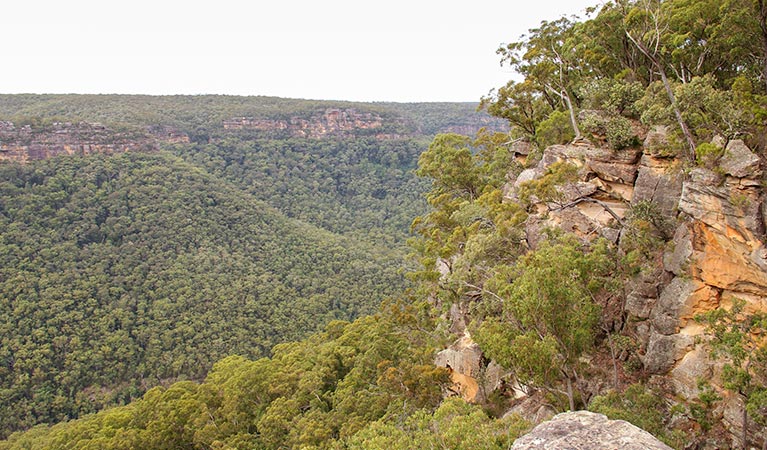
(725, 261)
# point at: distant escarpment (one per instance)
(351, 122)
(28, 143)
(331, 122)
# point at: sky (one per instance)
(394, 50)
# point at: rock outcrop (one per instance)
(351, 122)
(717, 252)
(714, 231)
(25, 143)
(331, 122)
(584, 430)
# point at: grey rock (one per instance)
(665, 315)
(525, 176)
(611, 234)
(611, 171)
(664, 351)
(739, 161)
(573, 191)
(534, 408)
(521, 147)
(606, 155)
(584, 430)
(639, 306)
(694, 366)
(462, 359)
(656, 142)
(572, 220)
(677, 259)
(660, 187)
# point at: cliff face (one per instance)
(22, 144)
(349, 122)
(715, 253)
(331, 122)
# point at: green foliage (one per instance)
(737, 336)
(548, 317)
(704, 52)
(616, 130)
(521, 104)
(313, 393)
(707, 154)
(641, 407)
(361, 187)
(469, 213)
(451, 166)
(615, 96)
(117, 273)
(555, 129)
(546, 187)
(455, 424)
(620, 134)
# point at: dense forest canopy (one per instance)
(551, 312)
(122, 271)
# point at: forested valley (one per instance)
(126, 270)
(244, 280)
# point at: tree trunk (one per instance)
(570, 394)
(615, 361)
(573, 120)
(763, 26)
(658, 63)
(677, 113)
(744, 436)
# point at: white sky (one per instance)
(395, 50)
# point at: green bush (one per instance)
(707, 154)
(620, 134)
(556, 129)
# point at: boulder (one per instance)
(533, 408)
(739, 161)
(584, 430)
(727, 263)
(677, 259)
(576, 190)
(615, 172)
(671, 304)
(464, 361)
(664, 351)
(693, 367)
(660, 186)
(725, 205)
(656, 142)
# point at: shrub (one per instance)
(556, 129)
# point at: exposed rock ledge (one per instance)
(584, 430)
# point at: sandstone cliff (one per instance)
(25, 143)
(350, 122)
(714, 219)
(330, 122)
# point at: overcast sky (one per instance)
(392, 50)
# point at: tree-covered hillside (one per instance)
(364, 188)
(119, 272)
